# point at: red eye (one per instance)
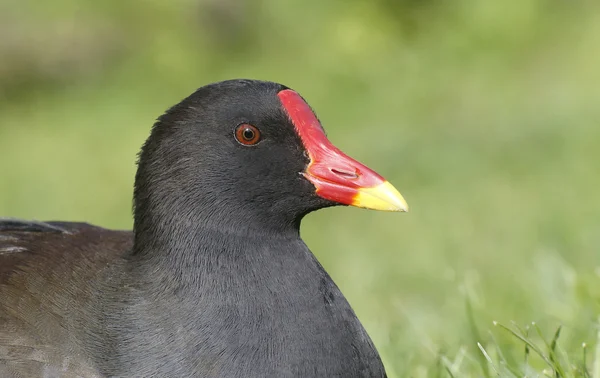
(247, 135)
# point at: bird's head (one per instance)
(247, 155)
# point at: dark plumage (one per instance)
(214, 280)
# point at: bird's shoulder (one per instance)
(44, 268)
(32, 246)
(19, 358)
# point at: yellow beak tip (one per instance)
(383, 197)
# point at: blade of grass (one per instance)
(503, 360)
(527, 342)
(460, 356)
(448, 365)
(586, 373)
(558, 371)
(596, 368)
(488, 358)
(476, 337)
(555, 364)
(526, 347)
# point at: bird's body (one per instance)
(268, 323)
(214, 281)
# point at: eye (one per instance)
(247, 135)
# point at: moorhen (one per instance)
(214, 280)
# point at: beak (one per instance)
(336, 176)
(341, 179)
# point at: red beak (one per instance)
(336, 176)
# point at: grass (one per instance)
(484, 115)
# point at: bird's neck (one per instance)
(181, 223)
(183, 254)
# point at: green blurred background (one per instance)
(485, 114)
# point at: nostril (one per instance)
(345, 174)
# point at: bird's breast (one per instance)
(287, 319)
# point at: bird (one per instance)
(214, 280)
